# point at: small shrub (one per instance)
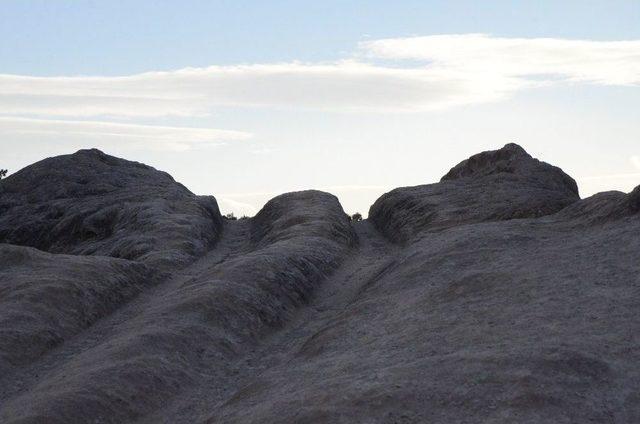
(230, 216)
(3, 173)
(356, 217)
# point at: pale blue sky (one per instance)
(354, 97)
(53, 37)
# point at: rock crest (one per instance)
(495, 294)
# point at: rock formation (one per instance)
(495, 295)
(490, 186)
(90, 203)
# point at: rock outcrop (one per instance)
(194, 324)
(495, 295)
(490, 186)
(45, 298)
(89, 203)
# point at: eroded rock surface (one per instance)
(496, 295)
(195, 324)
(90, 203)
(491, 186)
(45, 299)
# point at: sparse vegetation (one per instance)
(3, 173)
(231, 217)
(356, 217)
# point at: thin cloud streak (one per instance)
(346, 86)
(446, 71)
(132, 135)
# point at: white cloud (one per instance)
(345, 86)
(635, 161)
(445, 71)
(598, 62)
(131, 135)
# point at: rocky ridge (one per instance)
(495, 295)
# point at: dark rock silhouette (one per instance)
(495, 295)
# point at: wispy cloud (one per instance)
(344, 86)
(132, 135)
(444, 71)
(546, 59)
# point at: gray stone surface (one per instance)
(45, 299)
(491, 186)
(495, 296)
(89, 203)
(195, 324)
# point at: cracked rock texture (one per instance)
(496, 295)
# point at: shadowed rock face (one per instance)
(90, 203)
(45, 299)
(196, 322)
(490, 186)
(495, 295)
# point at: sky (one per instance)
(246, 100)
